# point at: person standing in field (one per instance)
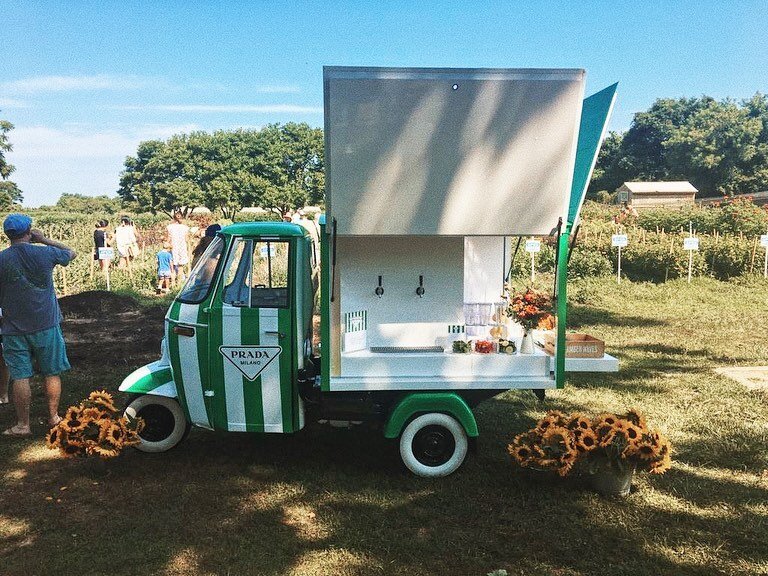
(164, 269)
(101, 239)
(178, 233)
(31, 316)
(125, 242)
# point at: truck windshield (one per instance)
(199, 282)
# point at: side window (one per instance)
(269, 279)
(257, 274)
(203, 274)
(237, 276)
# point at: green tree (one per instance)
(605, 172)
(277, 167)
(88, 204)
(9, 192)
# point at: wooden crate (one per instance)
(577, 345)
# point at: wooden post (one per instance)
(754, 251)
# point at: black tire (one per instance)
(433, 445)
(165, 423)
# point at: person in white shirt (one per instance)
(178, 234)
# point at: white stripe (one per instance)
(190, 369)
(233, 378)
(270, 378)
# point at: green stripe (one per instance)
(285, 325)
(562, 304)
(173, 352)
(202, 357)
(254, 408)
(217, 405)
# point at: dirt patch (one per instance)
(104, 330)
(96, 302)
(752, 377)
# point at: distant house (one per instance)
(654, 194)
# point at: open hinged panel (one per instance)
(430, 172)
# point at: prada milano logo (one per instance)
(250, 360)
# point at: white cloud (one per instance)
(227, 108)
(77, 83)
(11, 103)
(278, 89)
(42, 142)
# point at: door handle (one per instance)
(274, 333)
(184, 330)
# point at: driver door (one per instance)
(250, 339)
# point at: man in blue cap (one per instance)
(31, 316)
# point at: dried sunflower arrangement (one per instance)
(608, 443)
(94, 427)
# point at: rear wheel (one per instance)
(433, 445)
(164, 422)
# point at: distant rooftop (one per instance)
(659, 187)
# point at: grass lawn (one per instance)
(338, 502)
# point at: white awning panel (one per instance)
(450, 151)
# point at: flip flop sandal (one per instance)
(13, 432)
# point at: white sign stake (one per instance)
(764, 244)
(691, 243)
(619, 240)
(106, 253)
(533, 246)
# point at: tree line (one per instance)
(9, 192)
(721, 147)
(278, 167)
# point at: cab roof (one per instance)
(264, 229)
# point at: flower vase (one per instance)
(610, 481)
(526, 346)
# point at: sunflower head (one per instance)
(609, 419)
(55, 437)
(587, 441)
(73, 420)
(579, 422)
(70, 450)
(102, 400)
(636, 417)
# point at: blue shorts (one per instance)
(46, 346)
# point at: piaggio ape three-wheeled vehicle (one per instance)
(430, 174)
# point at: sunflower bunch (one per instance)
(559, 442)
(550, 445)
(94, 428)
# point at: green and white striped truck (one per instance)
(432, 175)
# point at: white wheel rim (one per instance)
(445, 421)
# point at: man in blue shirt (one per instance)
(31, 316)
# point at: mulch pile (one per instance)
(108, 330)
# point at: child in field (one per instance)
(164, 269)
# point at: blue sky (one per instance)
(85, 82)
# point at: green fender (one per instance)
(445, 402)
(155, 378)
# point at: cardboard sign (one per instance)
(691, 244)
(250, 360)
(532, 246)
(619, 240)
(764, 240)
(106, 253)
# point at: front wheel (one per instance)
(433, 445)
(164, 422)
